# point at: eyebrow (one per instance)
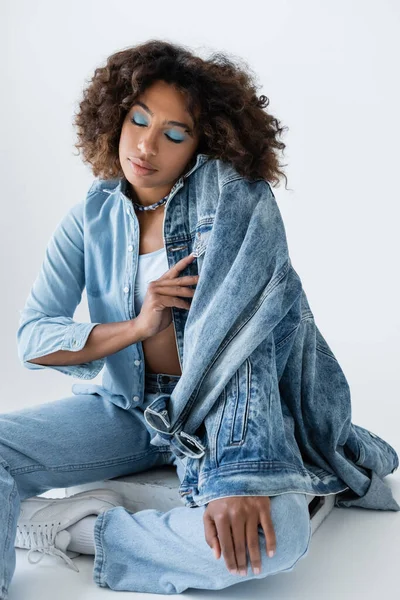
(177, 123)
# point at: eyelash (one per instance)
(142, 125)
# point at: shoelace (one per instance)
(40, 539)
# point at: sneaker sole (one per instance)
(100, 493)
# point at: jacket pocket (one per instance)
(237, 399)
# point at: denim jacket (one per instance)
(262, 406)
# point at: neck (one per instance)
(148, 196)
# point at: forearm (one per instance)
(103, 340)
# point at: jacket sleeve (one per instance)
(46, 322)
(246, 286)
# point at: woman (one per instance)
(151, 121)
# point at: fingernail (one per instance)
(233, 571)
(243, 572)
(256, 571)
(270, 553)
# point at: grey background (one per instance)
(330, 70)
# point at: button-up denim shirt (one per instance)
(262, 406)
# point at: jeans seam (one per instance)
(100, 559)
(13, 493)
(34, 469)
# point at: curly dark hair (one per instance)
(231, 121)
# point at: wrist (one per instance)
(138, 332)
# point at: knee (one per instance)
(291, 521)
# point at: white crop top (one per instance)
(150, 267)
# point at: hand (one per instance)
(232, 522)
(162, 293)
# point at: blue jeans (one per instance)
(86, 438)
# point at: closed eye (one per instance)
(175, 141)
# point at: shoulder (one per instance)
(100, 198)
(103, 187)
(219, 175)
(221, 192)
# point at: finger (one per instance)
(186, 280)
(211, 535)
(217, 549)
(266, 524)
(172, 290)
(226, 542)
(253, 545)
(238, 526)
(158, 298)
(162, 301)
(180, 266)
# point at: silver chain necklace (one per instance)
(150, 206)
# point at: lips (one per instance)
(142, 163)
(141, 171)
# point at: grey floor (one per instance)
(354, 555)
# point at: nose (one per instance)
(147, 144)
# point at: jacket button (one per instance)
(137, 362)
(126, 289)
(130, 248)
(136, 398)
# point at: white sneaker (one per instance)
(42, 522)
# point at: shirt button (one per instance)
(130, 248)
(127, 211)
(136, 398)
(126, 289)
(137, 362)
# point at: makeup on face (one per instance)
(140, 120)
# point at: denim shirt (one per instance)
(262, 406)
